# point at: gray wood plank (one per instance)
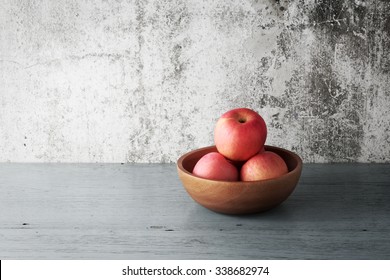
(141, 211)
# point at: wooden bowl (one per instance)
(239, 197)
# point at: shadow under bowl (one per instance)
(239, 197)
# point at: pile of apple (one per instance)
(239, 137)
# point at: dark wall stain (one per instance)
(285, 43)
(335, 20)
(364, 29)
(387, 26)
(334, 16)
(332, 108)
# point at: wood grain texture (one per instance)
(134, 211)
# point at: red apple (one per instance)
(240, 134)
(215, 166)
(265, 165)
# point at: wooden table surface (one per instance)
(141, 211)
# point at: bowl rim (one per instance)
(298, 167)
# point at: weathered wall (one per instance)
(145, 81)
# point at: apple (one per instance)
(215, 166)
(265, 165)
(239, 134)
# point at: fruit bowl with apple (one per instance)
(240, 174)
(239, 197)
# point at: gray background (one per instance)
(145, 81)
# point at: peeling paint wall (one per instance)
(145, 81)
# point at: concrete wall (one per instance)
(145, 81)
